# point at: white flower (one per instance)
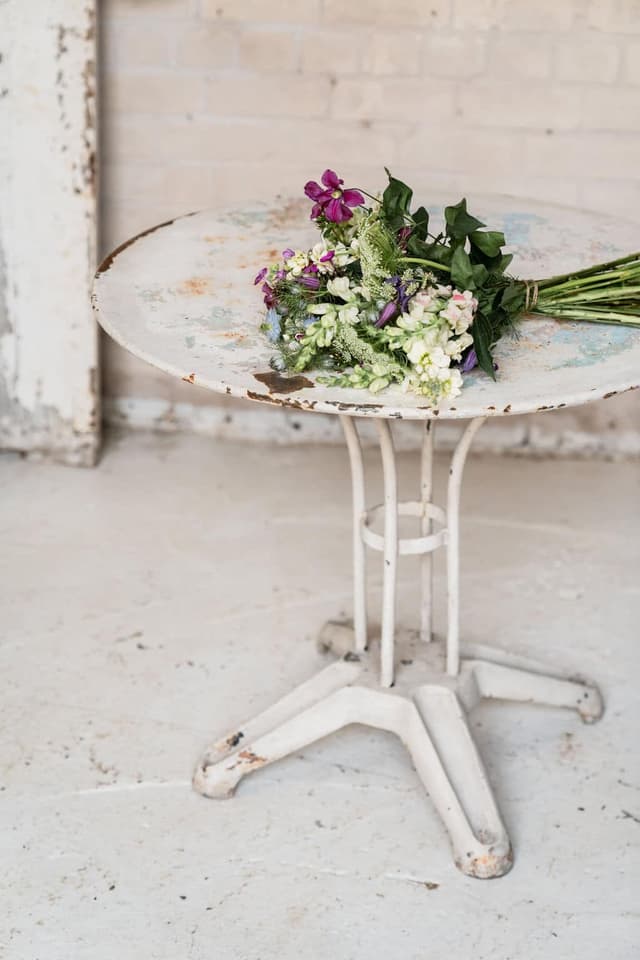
(348, 314)
(339, 287)
(417, 351)
(424, 298)
(296, 264)
(344, 255)
(322, 309)
(318, 256)
(410, 321)
(455, 347)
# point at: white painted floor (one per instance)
(149, 604)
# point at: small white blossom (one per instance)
(296, 264)
(339, 287)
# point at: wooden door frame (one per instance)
(49, 383)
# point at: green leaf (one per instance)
(461, 270)
(489, 241)
(437, 252)
(480, 275)
(460, 223)
(482, 342)
(396, 200)
(513, 295)
(421, 223)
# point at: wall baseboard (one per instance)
(520, 436)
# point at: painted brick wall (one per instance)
(209, 101)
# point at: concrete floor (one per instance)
(149, 604)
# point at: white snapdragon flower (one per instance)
(450, 383)
(424, 299)
(436, 383)
(345, 255)
(348, 314)
(339, 287)
(413, 320)
(460, 310)
(323, 257)
(425, 357)
(456, 346)
(296, 264)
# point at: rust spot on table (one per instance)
(278, 383)
(194, 286)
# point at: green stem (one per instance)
(612, 294)
(589, 271)
(610, 279)
(375, 199)
(426, 263)
(623, 319)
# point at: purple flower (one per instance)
(387, 313)
(288, 253)
(260, 276)
(329, 255)
(402, 295)
(470, 361)
(332, 202)
(311, 283)
(403, 235)
(270, 298)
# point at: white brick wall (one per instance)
(207, 100)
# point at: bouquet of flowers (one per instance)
(381, 300)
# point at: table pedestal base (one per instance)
(426, 708)
(419, 689)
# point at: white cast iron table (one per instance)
(181, 297)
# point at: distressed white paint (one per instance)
(425, 709)
(181, 297)
(432, 688)
(48, 342)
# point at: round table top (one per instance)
(181, 297)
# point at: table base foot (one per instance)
(426, 708)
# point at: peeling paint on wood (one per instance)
(48, 341)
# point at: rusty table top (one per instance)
(181, 297)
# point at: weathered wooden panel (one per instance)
(48, 341)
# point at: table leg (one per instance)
(359, 553)
(426, 563)
(389, 584)
(498, 682)
(453, 544)
(424, 692)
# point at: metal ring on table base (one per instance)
(407, 545)
(392, 546)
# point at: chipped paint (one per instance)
(110, 257)
(49, 399)
(278, 383)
